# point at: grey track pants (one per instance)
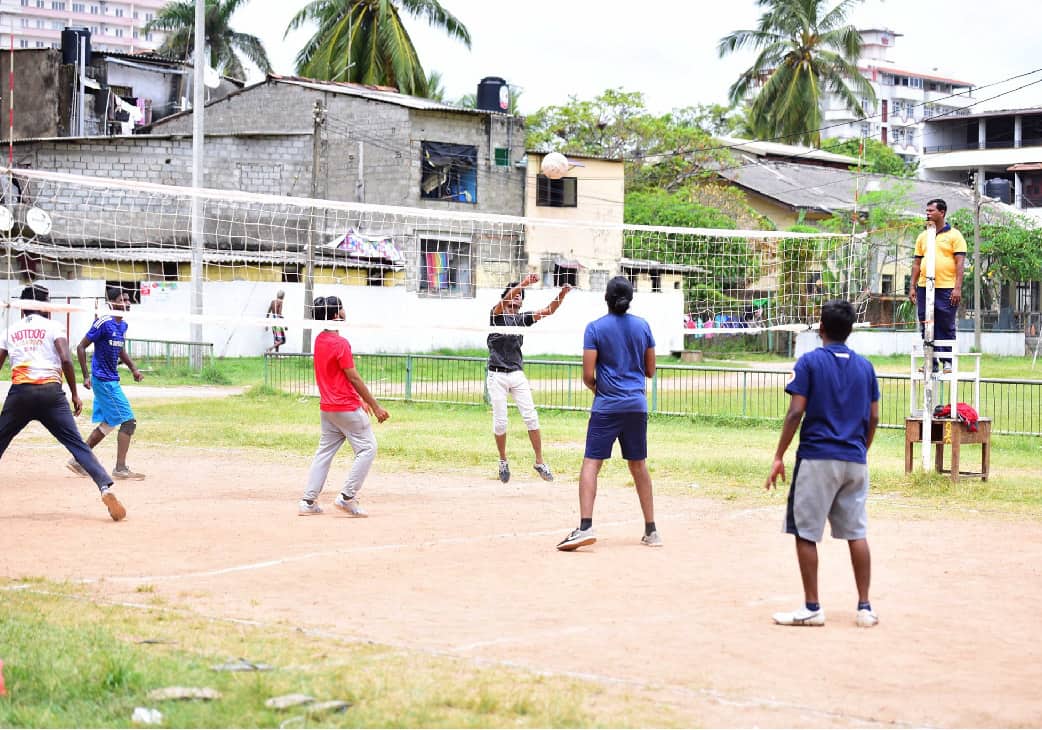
(338, 426)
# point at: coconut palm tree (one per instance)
(177, 20)
(366, 41)
(806, 54)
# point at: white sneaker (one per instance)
(576, 539)
(800, 617)
(305, 510)
(866, 618)
(74, 466)
(350, 506)
(652, 540)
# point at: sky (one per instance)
(553, 49)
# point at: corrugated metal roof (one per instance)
(756, 147)
(807, 187)
(573, 156)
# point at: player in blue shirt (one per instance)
(618, 358)
(835, 393)
(111, 407)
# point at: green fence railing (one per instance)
(168, 354)
(1015, 406)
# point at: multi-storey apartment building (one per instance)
(115, 25)
(904, 99)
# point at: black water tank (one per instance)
(71, 45)
(493, 94)
(999, 188)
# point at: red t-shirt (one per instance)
(332, 356)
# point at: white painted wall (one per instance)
(380, 319)
(901, 343)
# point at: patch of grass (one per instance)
(71, 663)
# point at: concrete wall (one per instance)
(901, 343)
(391, 137)
(380, 319)
(36, 79)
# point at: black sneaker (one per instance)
(504, 471)
(544, 471)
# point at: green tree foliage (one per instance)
(715, 263)
(878, 157)
(806, 53)
(365, 41)
(660, 151)
(1011, 252)
(224, 43)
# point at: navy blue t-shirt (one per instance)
(840, 387)
(108, 336)
(620, 342)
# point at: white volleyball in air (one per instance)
(554, 166)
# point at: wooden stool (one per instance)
(950, 431)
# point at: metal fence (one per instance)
(1015, 406)
(168, 354)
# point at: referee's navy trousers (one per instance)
(47, 404)
(944, 313)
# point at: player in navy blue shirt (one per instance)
(111, 408)
(835, 393)
(618, 358)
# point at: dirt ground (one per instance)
(466, 567)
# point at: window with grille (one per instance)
(560, 193)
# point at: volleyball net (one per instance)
(410, 278)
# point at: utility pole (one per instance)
(319, 120)
(198, 180)
(976, 262)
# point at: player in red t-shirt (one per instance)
(344, 402)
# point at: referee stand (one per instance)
(944, 433)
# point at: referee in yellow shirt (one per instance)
(948, 270)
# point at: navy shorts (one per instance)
(631, 430)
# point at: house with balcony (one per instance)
(1002, 148)
(905, 99)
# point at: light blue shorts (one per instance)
(110, 404)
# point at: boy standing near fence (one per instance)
(111, 408)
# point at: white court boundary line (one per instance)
(596, 678)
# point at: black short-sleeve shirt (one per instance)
(504, 350)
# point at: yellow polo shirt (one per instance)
(949, 243)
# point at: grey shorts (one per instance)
(824, 488)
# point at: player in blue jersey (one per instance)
(836, 396)
(111, 407)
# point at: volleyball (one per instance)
(554, 166)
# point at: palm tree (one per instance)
(177, 20)
(366, 41)
(806, 54)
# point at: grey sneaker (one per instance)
(544, 471)
(74, 466)
(866, 618)
(350, 506)
(652, 540)
(576, 539)
(800, 617)
(306, 510)
(504, 471)
(127, 473)
(116, 510)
